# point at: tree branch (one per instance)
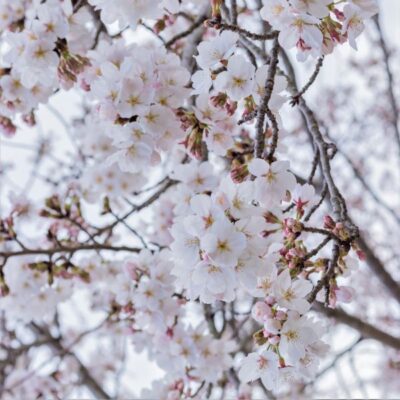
(367, 330)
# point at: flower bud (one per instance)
(70, 66)
(29, 119)
(361, 255)
(329, 223)
(160, 25)
(194, 143)
(274, 339)
(270, 300)
(281, 315)
(239, 172)
(220, 100)
(7, 126)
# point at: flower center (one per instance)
(133, 101)
(276, 10)
(238, 82)
(223, 246)
(208, 221)
(291, 335)
(265, 284)
(262, 363)
(288, 295)
(151, 118)
(270, 177)
(212, 269)
(40, 53)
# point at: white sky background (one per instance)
(140, 373)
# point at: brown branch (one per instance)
(245, 32)
(138, 208)
(187, 32)
(86, 377)
(330, 272)
(247, 118)
(314, 252)
(234, 12)
(391, 83)
(151, 30)
(376, 265)
(191, 45)
(81, 247)
(366, 330)
(316, 206)
(313, 77)
(368, 188)
(335, 196)
(338, 356)
(264, 109)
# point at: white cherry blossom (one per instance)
(353, 24)
(296, 334)
(272, 180)
(218, 49)
(317, 8)
(301, 31)
(223, 245)
(263, 365)
(291, 294)
(238, 80)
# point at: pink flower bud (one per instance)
(339, 14)
(270, 300)
(292, 265)
(7, 126)
(274, 339)
(266, 333)
(361, 255)
(84, 85)
(239, 172)
(29, 119)
(329, 223)
(280, 315)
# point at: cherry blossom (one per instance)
(291, 294)
(217, 50)
(237, 81)
(262, 366)
(222, 245)
(353, 24)
(296, 335)
(272, 180)
(317, 8)
(177, 206)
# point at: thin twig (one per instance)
(264, 109)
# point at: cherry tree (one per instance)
(196, 206)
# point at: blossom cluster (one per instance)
(222, 244)
(230, 222)
(130, 12)
(136, 92)
(40, 52)
(316, 27)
